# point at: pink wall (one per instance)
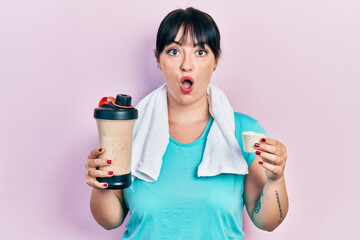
(293, 65)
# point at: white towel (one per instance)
(222, 153)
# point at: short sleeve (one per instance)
(245, 123)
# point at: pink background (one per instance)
(293, 65)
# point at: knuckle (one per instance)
(93, 153)
(278, 160)
(102, 173)
(88, 182)
(97, 161)
(87, 164)
(105, 174)
(99, 173)
(93, 162)
(270, 167)
(103, 162)
(270, 148)
(98, 184)
(263, 147)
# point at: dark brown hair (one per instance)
(201, 26)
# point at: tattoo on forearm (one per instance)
(278, 201)
(258, 204)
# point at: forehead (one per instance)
(186, 38)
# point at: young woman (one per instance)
(180, 204)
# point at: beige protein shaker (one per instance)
(115, 122)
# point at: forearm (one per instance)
(106, 208)
(272, 205)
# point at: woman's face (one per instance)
(187, 69)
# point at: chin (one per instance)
(183, 99)
(188, 99)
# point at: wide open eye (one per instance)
(172, 52)
(201, 52)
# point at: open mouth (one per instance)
(186, 84)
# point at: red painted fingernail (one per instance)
(108, 161)
(261, 162)
(100, 149)
(110, 172)
(263, 140)
(105, 184)
(257, 145)
(258, 152)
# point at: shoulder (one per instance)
(243, 116)
(245, 121)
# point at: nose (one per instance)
(186, 64)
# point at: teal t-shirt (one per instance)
(181, 205)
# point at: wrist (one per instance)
(277, 180)
(101, 191)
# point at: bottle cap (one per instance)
(118, 108)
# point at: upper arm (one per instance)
(120, 195)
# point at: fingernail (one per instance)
(261, 162)
(110, 172)
(257, 145)
(100, 149)
(263, 140)
(108, 161)
(105, 184)
(258, 152)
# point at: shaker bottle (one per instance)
(115, 122)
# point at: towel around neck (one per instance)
(222, 153)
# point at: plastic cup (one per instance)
(249, 139)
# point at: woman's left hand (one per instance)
(274, 156)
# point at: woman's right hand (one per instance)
(92, 170)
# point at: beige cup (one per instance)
(249, 139)
(115, 136)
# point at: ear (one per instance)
(157, 58)
(217, 61)
(156, 55)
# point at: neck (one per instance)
(188, 114)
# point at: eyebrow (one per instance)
(180, 44)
